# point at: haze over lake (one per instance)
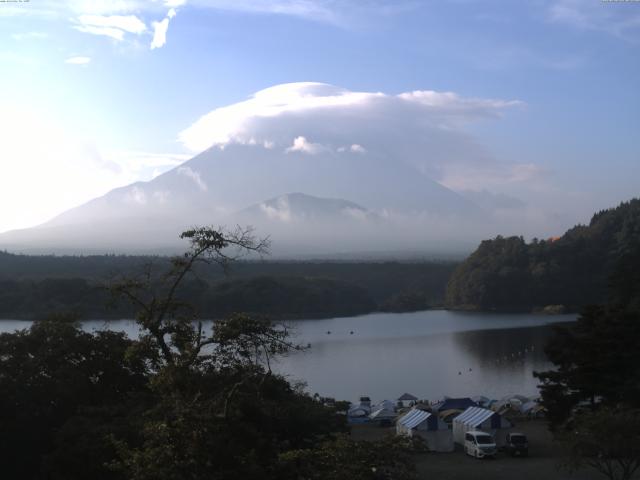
(429, 354)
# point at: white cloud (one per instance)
(114, 33)
(193, 175)
(281, 211)
(160, 30)
(136, 195)
(159, 33)
(269, 114)
(423, 128)
(78, 60)
(301, 144)
(114, 26)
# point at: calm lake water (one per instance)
(429, 354)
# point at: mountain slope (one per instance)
(214, 186)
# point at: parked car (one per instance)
(517, 444)
(479, 444)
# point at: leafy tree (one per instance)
(345, 459)
(608, 441)
(50, 375)
(167, 321)
(220, 411)
(596, 362)
(572, 270)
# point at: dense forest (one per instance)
(571, 271)
(32, 286)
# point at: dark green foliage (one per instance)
(597, 362)
(33, 286)
(573, 270)
(593, 393)
(54, 377)
(345, 459)
(288, 297)
(607, 440)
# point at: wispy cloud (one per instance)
(114, 26)
(193, 175)
(78, 60)
(614, 18)
(29, 36)
(336, 12)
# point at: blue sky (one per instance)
(80, 77)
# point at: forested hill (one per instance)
(34, 286)
(573, 270)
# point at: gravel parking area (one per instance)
(543, 462)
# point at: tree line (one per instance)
(572, 271)
(31, 287)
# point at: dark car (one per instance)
(517, 444)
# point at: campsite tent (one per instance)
(477, 418)
(388, 404)
(383, 415)
(359, 413)
(454, 404)
(428, 426)
(448, 415)
(406, 400)
(532, 409)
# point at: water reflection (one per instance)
(427, 358)
(429, 354)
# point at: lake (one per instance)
(429, 354)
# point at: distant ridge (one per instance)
(244, 184)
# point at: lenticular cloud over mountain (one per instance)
(319, 168)
(424, 128)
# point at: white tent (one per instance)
(428, 426)
(477, 418)
(406, 400)
(382, 414)
(388, 404)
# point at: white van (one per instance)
(479, 444)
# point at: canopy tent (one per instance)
(448, 415)
(358, 413)
(481, 401)
(454, 404)
(532, 409)
(513, 403)
(388, 404)
(477, 418)
(428, 426)
(406, 400)
(382, 415)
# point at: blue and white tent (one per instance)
(477, 418)
(428, 426)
